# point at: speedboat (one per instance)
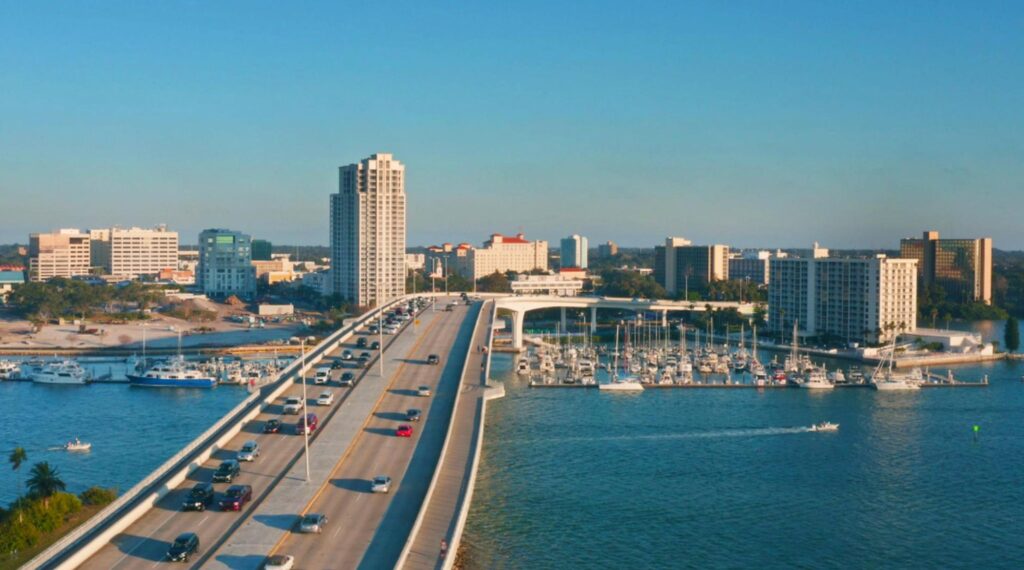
(624, 385)
(77, 446)
(825, 426)
(64, 372)
(174, 373)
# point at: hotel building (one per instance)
(961, 267)
(133, 252)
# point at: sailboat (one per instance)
(627, 384)
(885, 378)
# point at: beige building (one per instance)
(63, 253)
(680, 266)
(134, 252)
(852, 299)
(368, 231)
(501, 254)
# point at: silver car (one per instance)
(313, 522)
(250, 451)
(381, 484)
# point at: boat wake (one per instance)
(714, 434)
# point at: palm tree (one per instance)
(44, 480)
(17, 457)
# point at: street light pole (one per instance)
(305, 410)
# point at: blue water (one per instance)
(133, 430)
(574, 478)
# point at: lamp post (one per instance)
(305, 415)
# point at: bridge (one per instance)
(432, 472)
(520, 305)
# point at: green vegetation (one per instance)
(494, 283)
(1011, 338)
(736, 290)
(69, 298)
(36, 519)
(932, 303)
(9, 255)
(623, 283)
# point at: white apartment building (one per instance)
(134, 252)
(574, 251)
(368, 231)
(501, 254)
(850, 299)
(62, 253)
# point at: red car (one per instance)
(404, 430)
(310, 420)
(236, 497)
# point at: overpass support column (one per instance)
(565, 322)
(593, 319)
(664, 317)
(517, 329)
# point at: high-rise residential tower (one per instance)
(368, 231)
(574, 251)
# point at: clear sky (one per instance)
(745, 123)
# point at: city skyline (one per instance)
(851, 125)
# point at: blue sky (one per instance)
(746, 123)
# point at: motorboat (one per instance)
(77, 445)
(63, 372)
(622, 385)
(523, 367)
(174, 373)
(8, 369)
(816, 380)
(825, 426)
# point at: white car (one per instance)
(325, 399)
(323, 374)
(293, 405)
(380, 484)
(423, 391)
(249, 452)
(280, 562)
(390, 330)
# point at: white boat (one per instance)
(825, 426)
(174, 373)
(837, 376)
(816, 380)
(77, 446)
(886, 379)
(8, 369)
(623, 385)
(64, 372)
(523, 366)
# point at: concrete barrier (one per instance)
(84, 541)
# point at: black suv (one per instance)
(433, 359)
(361, 343)
(347, 379)
(227, 472)
(199, 498)
(375, 345)
(184, 546)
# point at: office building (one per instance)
(680, 266)
(368, 231)
(573, 251)
(261, 250)
(63, 253)
(962, 268)
(607, 249)
(225, 264)
(852, 300)
(501, 254)
(133, 252)
(753, 266)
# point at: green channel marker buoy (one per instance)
(977, 428)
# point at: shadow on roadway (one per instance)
(404, 392)
(381, 431)
(223, 454)
(282, 522)
(142, 547)
(202, 474)
(356, 485)
(247, 561)
(396, 416)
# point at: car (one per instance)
(363, 363)
(375, 345)
(313, 522)
(373, 329)
(423, 391)
(337, 364)
(323, 374)
(325, 399)
(413, 415)
(404, 430)
(293, 405)
(227, 471)
(183, 547)
(235, 497)
(272, 426)
(250, 451)
(390, 330)
(361, 343)
(280, 562)
(308, 420)
(347, 355)
(366, 355)
(433, 359)
(347, 379)
(380, 484)
(200, 497)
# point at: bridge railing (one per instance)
(81, 543)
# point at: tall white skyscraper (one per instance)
(368, 231)
(574, 251)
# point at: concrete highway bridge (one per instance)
(432, 471)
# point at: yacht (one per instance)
(523, 366)
(8, 369)
(816, 380)
(174, 373)
(886, 379)
(837, 376)
(64, 372)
